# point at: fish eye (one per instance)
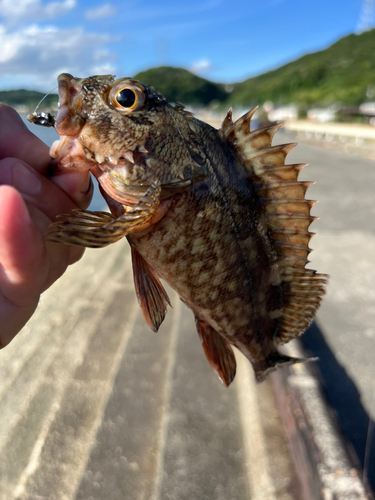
(126, 97)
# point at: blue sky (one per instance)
(222, 40)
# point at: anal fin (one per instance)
(218, 351)
(152, 297)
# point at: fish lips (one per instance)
(69, 120)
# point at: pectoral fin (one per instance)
(218, 351)
(177, 187)
(99, 229)
(152, 297)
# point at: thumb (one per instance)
(22, 251)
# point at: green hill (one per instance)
(28, 98)
(179, 85)
(341, 73)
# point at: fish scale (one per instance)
(215, 213)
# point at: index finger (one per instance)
(17, 141)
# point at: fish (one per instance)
(215, 213)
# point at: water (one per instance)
(48, 135)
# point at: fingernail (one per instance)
(89, 186)
(25, 181)
(17, 175)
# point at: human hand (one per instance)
(30, 199)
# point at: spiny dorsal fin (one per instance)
(240, 128)
(228, 121)
(287, 215)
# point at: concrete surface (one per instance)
(344, 337)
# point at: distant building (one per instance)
(321, 115)
(367, 108)
(289, 112)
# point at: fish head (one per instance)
(126, 133)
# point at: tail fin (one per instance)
(275, 361)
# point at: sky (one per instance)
(221, 40)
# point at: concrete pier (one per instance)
(97, 406)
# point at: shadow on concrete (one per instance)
(344, 397)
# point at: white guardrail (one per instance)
(333, 131)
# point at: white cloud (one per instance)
(105, 10)
(101, 54)
(34, 9)
(39, 54)
(201, 66)
(103, 69)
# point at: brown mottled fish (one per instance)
(215, 213)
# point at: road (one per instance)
(96, 406)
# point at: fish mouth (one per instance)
(69, 120)
(67, 152)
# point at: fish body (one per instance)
(215, 213)
(212, 249)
